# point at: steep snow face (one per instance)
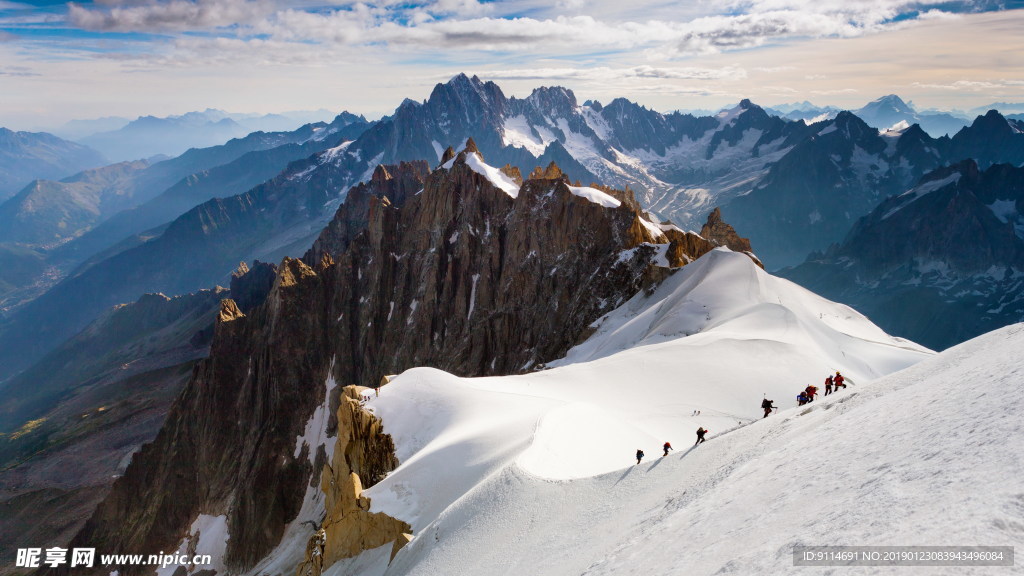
(927, 188)
(478, 455)
(596, 196)
(495, 176)
(733, 170)
(315, 433)
(518, 132)
(720, 298)
(208, 535)
(849, 469)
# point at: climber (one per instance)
(811, 391)
(828, 385)
(839, 381)
(802, 399)
(667, 447)
(766, 405)
(639, 455)
(700, 435)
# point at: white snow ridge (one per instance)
(535, 474)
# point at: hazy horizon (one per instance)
(129, 58)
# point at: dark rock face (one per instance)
(990, 139)
(461, 276)
(716, 230)
(396, 183)
(634, 127)
(811, 196)
(939, 264)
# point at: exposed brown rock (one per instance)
(552, 172)
(229, 311)
(449, 153)
(513, 173)
(685, 247)
(722, 234)
(638, 234)
(362, 454)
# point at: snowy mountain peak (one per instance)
(731, 114)
(468, 91)
(890, 104)
(554, 101)
(409, 103)
(897, 128)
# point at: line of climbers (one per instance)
(668, 446)
(808, 394)
(811, 391)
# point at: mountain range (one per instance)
(767, 174)
(55, 226)
(537, 327)
(149, 136)
(940, 263)
(26, 156)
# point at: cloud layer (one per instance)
(145, 56)
(501, 27)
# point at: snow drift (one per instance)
(535, 474)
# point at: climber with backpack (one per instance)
(811, 391)
(639, 455)
(801, 399)
(828, 385)
(767, 406)
(700, 435)
(667, 447)
(839, 381)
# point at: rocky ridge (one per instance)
(461, 268)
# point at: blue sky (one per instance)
(62, 60)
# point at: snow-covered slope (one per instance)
(535, 474)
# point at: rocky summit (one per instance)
(467, 267)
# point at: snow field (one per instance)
(535, 473)
(851, 469)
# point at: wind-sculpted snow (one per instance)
(501, 473)
(508, 458)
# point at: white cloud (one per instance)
(972, 85)
(606, 74)
(180, 15)
(17, 71)
(472, 25)
(834, 91)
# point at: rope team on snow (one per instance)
(807, 395)
(811, 391)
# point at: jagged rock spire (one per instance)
(380, 174)
(717, 231)
(552, 172)
(449, 153)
